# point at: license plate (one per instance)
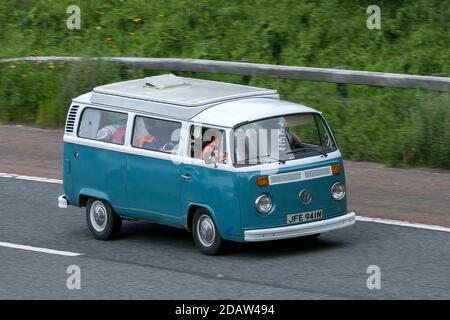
(304, 216)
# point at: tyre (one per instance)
(205, 233)
(101, 219)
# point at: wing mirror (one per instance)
(210, 158)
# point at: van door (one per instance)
(210, 183)
(153, 175)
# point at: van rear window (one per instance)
(102, 125)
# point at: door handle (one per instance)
(186, 177)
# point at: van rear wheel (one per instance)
(101, 219)
(206, 236)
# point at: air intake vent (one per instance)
(71, 119)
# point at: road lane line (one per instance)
(359, 218)
(28, 178)
(403, 223)
(39, 179)
(37, 249)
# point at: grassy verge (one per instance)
(393, 126)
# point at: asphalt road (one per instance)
(156, 262)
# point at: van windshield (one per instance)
(281, 139)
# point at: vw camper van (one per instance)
(226, 162)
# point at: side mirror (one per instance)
(210, 158)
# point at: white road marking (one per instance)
(404, 223)
(359, 218)
(20, 177)
(37, 249)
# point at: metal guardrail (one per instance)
(340, 76)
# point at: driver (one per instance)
(215, 148)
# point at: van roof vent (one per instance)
(70, 124)
(165, 81)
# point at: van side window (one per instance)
(208, 142)
(102, 125)
(156, 134)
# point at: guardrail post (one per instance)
(342, 89)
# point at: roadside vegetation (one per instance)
(393, 126)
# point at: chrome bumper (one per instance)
(300, 230)
(62, 202)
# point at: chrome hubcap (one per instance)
(98, 216)
(206, 231)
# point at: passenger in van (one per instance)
(294, 140)
(114, 133)
(145, 141)
(215, 148)
(119, 135)
(150, 142)
(153, 134)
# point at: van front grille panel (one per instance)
(316, 173)
(300, 175)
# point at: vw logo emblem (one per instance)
(305, 197)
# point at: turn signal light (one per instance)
(262, 181)
(336, 169)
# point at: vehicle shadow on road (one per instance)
(283, 247)
(148, 233)
(179, 239)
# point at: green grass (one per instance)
(394, 126)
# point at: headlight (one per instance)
(263, 203)
(338, 191)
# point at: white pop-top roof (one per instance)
(212, 102)
(186, 92)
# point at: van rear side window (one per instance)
(156, 134)
(101, 125)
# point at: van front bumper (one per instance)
(300, 230)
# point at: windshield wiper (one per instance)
(265, 157)
(308, 149)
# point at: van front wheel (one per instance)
(101, 219)
(206, 236)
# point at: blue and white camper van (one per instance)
(226, 162)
